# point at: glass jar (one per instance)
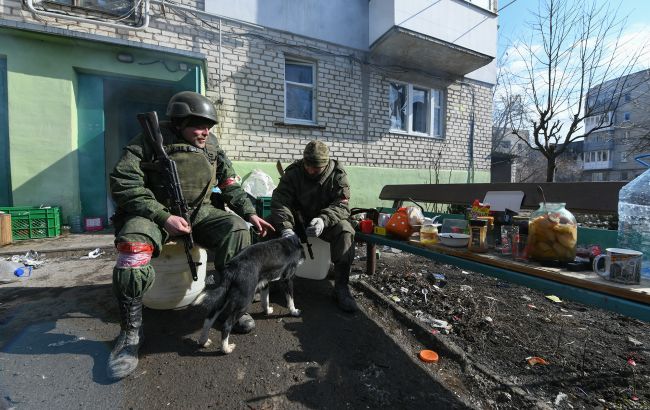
(552, 233)
(429, 234)
(478, 235)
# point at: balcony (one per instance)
(452, 37)
(589, 166)
(606, 145)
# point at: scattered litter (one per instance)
(425, 291)
(93, 254)
(466, 288)
(631, 362)
(434, 331)
(533, 360)
(31, 258)
(554, 298)
(437, 279)
(566, 315)
(634, 398)
(403, 290)
(531, 306)
(635, 342)
(395, 298)
(488, 319)
(491, 298)
(563, 310)
(560, 396)
(526, 298)
(464, 272)
(428, 356)
(441, 324)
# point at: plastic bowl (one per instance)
(455, 240)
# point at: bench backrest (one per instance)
(600, 197)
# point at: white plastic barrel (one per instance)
(173, 286)
(318, 267)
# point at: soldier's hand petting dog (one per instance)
(261, 226)
(177, 226)
(315, 227)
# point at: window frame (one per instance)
(82, 5)
(303, 62)
(435, 102)
(626, 116)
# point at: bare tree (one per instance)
(571, 50)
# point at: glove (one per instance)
(287, 232)
(315, 227)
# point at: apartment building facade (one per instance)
(387, 84)
(610, 151)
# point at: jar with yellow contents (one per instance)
(429, 234)
(552, 233)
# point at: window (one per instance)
(299, 92)
(626, 116)
(623, 176)
(624, 156)
(415, 110)
(597, 177)
(628, 97)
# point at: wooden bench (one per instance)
(583, 197)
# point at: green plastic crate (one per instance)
(33, 222)
(263, 206)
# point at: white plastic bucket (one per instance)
(173, 286)
(318, 267)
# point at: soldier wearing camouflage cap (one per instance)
(143, 222)
(317, 186)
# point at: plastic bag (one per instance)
(258, 184)
(416, 217)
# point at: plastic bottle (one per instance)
(11, 271)
(634, 218)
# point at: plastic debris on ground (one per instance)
(466, 288)
(533, 360)
(428, 356)
(437, 279)
(554, 298)
(560, 396)
(31, 258)
(96, 253)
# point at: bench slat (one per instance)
(578, 196)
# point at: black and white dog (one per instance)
(251, 270)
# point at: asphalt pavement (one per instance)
(57, 328)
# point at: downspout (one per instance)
(144, 25)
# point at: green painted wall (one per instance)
(366, 182)
(42, 93)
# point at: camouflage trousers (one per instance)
(219, 231)
(341, 240)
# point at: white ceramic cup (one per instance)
(621, 265)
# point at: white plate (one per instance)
(454, 240)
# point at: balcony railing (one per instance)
(597, 165)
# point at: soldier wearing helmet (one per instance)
(318, 187)
(143, 222)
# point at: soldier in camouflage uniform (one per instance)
(317, 186)
(143, 222)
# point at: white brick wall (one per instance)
(252, 93)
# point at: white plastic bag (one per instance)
(258, 184)
(415, 215)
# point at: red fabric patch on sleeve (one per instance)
(227, 182)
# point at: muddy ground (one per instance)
(594, 358)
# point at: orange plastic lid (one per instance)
(428, 356)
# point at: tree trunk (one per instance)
(550, 169)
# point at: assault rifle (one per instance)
(302, 232)
(167, 167)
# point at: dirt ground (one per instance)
(594, 358)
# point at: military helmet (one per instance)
(190, 104)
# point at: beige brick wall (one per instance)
(252, 93)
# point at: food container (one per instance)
(552, 233)
(429, 234)
(478, 229)
(454, 240)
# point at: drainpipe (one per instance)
(144, 25)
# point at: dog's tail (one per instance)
(215, 295)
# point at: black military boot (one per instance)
(342, 293)
(124, 358)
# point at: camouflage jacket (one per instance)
(137, 189)
(325, 196)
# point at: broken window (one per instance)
(415, 110)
